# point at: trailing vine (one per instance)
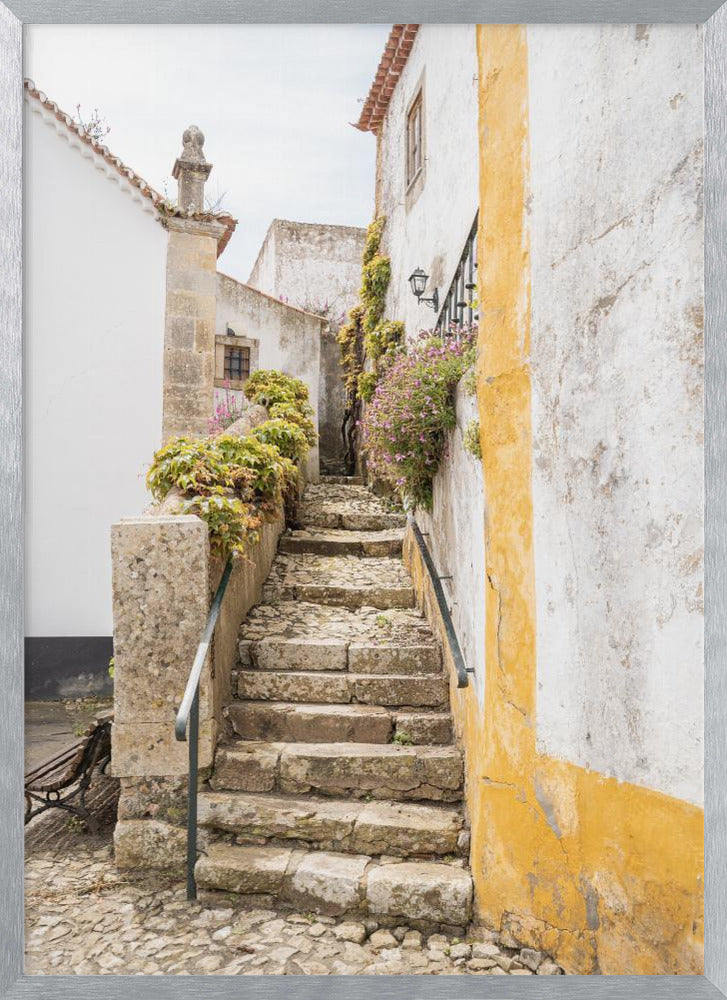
(366, 336)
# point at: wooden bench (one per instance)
(61, 781)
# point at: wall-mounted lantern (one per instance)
(418, 281)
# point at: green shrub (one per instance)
(233, 524)
(301, 414)
(267, 387)
(363, 320)
(233, 482)
(289, 438)
(192, 465)
(350, 339)
(265, 467)
(376, 276)
(373, 239)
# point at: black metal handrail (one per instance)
(188, 715)
(459, 662)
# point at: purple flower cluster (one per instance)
(406, 422)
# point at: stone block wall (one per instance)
(189, 329)
(164, 577)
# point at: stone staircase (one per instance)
(341, 790)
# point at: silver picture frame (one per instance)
(13, 15)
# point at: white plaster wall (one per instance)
(456, 540)
(316, 267)
(431, 229)
(290, 339)
(312, 266)
(263, 274)
(95, 260)
(617, 297)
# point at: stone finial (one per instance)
(191, 170)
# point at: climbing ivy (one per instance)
(367, 336)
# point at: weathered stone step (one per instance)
(399, 829)
(427, 690)
(356, 629)
(351, 520)
(336, 541)
(358, 770)
(345, 581)
(346, 506)
(342, 480)
(337, 654)
(336, 884)
(306, 723)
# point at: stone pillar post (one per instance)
(161, 586)
(189, 329)
(190, 171)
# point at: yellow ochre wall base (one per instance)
(607, 877)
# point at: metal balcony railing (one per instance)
(459, 304)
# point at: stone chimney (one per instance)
(191, 170)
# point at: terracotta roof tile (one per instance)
(160, 203)
(394, 58)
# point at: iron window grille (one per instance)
(459, 306)
(237, 363)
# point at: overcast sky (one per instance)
(274, 103)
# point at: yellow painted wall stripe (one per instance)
(606, 876)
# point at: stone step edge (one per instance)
(399, 596)
(418, 773)
(339, 653)
(336, 884)
(341, 480)
(350, 521)
(349, 707)
(390, 544)
(337, 687)
(338, 824)
(404, 726)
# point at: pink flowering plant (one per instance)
(227, 411)
(412, 409)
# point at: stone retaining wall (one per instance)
(164, 577)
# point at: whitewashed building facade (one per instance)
(422, 107)
(129, 333)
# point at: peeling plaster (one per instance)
(617, 363)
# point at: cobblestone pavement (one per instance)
(84, 917)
